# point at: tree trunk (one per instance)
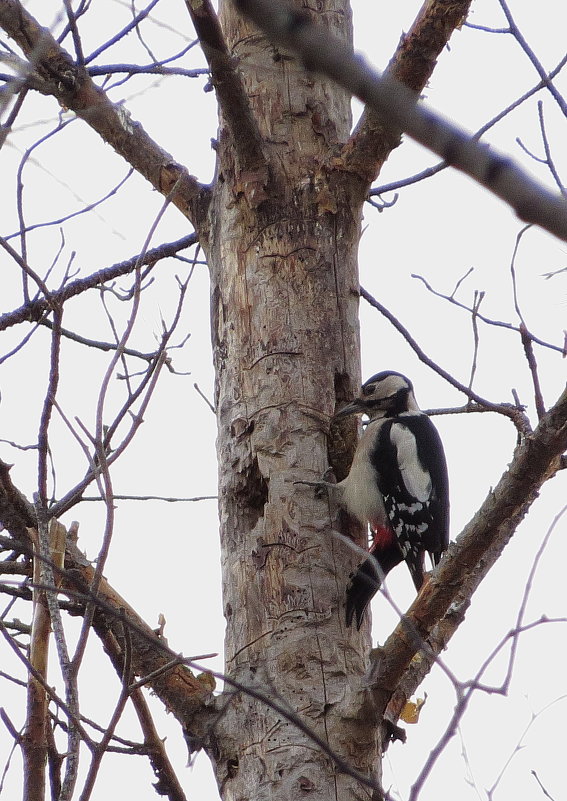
(282, 249)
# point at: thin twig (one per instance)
(118, 497)
(34, 310)
(540, 69)
(544, 791)
(103, 436)
(515, 415)
(229, 87)
(204, 397)
(497, 323)
(442, 165)
(43, 434)
(88, 207)
(548, 156)
(478, 296)
(524, 332)
(76, 90)
(122, 33)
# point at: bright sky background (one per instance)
(439, 229)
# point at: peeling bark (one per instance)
(285, 336)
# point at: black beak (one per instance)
(356, 406)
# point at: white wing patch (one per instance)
(417, 480)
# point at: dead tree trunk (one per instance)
(284, 232)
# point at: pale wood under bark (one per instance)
(285, 335)
(34, 739)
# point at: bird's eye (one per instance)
(368, 389)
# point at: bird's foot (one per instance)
(327, 482)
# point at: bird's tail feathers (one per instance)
(367, 581)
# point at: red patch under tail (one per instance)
(382, 537)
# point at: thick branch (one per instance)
(412, 65)
(438, 609)
(229, 87)
(34, 740)
(16, 513)
(181, 692)
(74, 89)
(321, 52)
(167, 781)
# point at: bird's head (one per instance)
(386, 394)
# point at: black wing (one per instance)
(412, 473)
(367, 580)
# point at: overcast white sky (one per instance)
(438, 229)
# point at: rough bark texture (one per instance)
(285, 335)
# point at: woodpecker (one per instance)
(397, 484)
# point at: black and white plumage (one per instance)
(397, 484)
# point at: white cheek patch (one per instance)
(391, 384)
(416, 480)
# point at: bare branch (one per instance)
(204, 397)
(34, 739)
(465, 690)
(430, 171)
(515, 414)
(168, 783)
(229, 87)
(148, 69)
(497, 323)
(84, 210)
(117, 497)
(518, 36)
(51, 537)
(35, 309)
(464, 695)
(98, 344)
(412, 65)
(122, 33)
(324, 53)
(519, 746)
(27, 270)
(178, 688)
(102, 444)
(544, 791)
(478, 297)
(74, 32)
(547, 149)
(525, 334)
(74, 89)
(43, 438)
(102, 746)
(183, 693)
